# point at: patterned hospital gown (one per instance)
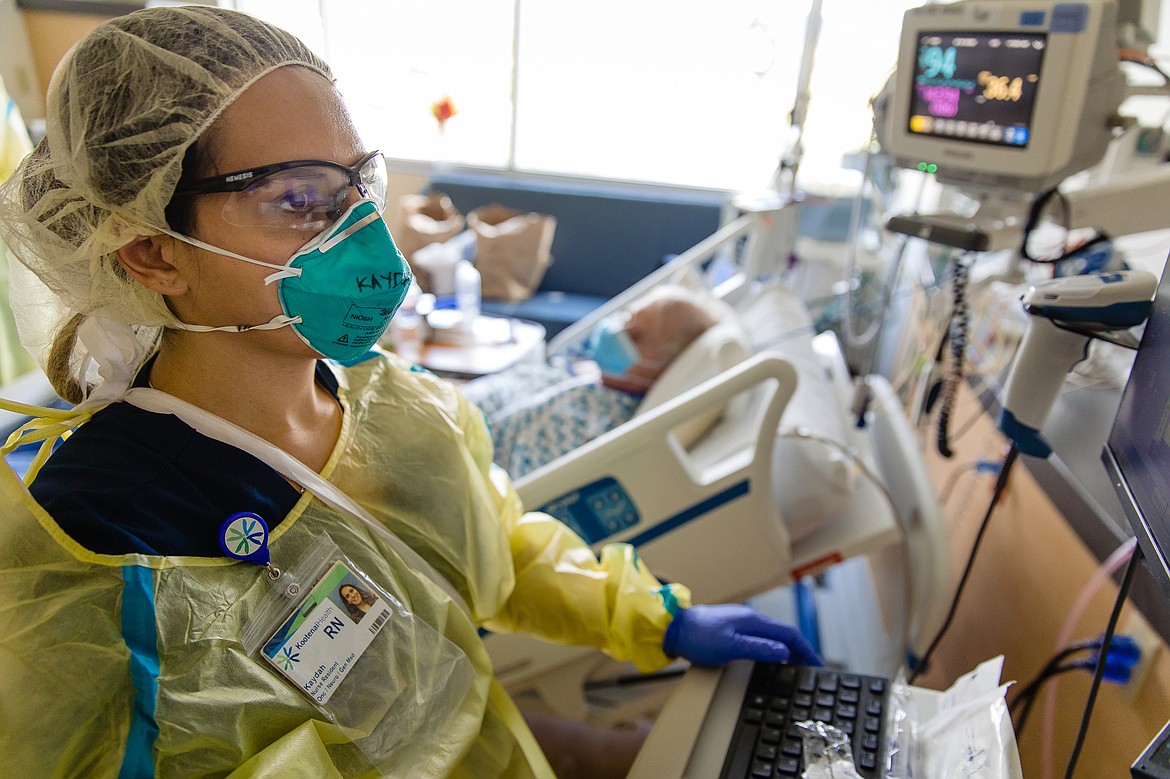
(538, 412)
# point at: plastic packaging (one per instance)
(963, 732)
(827, 753)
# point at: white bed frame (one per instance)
(708, 518)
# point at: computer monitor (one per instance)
(1137, 454)
(1005, 94)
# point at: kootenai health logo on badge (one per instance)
(244, 536)
(288, 658)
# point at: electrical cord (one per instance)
(1034, 215)
(1099, 671)
(1000, 483)
(960, 319)
(1030, 700)
(1028, 689)
(1123, 654)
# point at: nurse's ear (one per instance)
(150, 260)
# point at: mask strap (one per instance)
(283, 271)
(277, 322)
(373, 216)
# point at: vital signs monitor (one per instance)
(1005, 94)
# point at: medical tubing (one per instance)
(1099, 672)
(960, 319)
(977, 466)
(1100, 575)
(851, 338)
(904, 629)
(1000, 483)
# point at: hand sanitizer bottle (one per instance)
(467, 286)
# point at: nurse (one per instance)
(199, 229)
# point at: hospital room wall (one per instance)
(50, 34)
(1031, 569)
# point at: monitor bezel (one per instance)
(1069, 132)
(1131, 459)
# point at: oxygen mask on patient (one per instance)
(612, 348)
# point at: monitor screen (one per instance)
(978, 87)
(1137, 454)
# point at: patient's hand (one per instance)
(714, 635)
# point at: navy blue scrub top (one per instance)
(133, 481)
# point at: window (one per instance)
(679, 92)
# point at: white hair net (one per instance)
(122, 109)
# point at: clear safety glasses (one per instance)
(302, 195)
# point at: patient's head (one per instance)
(659, 327)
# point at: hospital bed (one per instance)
(703, 509)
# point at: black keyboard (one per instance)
(767, 743)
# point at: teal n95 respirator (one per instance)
(338, 291)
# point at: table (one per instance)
(490, 345)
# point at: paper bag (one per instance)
(425, 219)
(512, 250)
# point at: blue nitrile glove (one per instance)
(714, 635)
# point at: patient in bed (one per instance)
(539, 412)
(682, 338)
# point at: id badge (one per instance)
(319, 644)
(365, 661)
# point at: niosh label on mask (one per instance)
(364, 325)
(324, 638)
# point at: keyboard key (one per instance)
(767, 741)
(788, 766)
(762, 769)
(785, 680)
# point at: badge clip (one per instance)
(244, 536)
